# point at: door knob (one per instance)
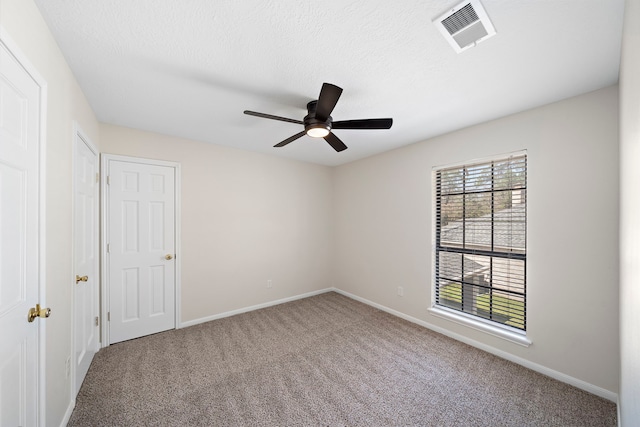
(81, 279)
(168, 257)
(38, 312)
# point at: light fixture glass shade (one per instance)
(318, 132)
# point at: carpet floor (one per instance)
(326, 360)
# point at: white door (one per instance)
(85, 227)
(141, 248)
(20, 99)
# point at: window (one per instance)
(480, 240)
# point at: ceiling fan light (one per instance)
(318, 131)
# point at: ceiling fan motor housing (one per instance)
(311, 123)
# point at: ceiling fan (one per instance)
(318, 123)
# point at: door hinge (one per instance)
(108, 179)
(97, 177)
(97, 321)
(108, 316)
(108, 247)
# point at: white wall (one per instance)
(630, 218)
(246, 218)
(66, 103)
(383, 230)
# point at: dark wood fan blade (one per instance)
(335, 142)
(269, 116)
(329, 95)
(363, 124)
(290, 139)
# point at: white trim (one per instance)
(480, 160)
(479, 325)
(104, 276)
(79, 136)
(254, 307)
(140, 160)
(68, 413)
(104, 173)
(177, 244)
(42, 382)
(26, 64)
(583, 385)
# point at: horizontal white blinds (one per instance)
(481, 239)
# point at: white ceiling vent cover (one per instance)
(465, 25)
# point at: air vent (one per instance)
(465, 25)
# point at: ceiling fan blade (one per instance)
(329, 95)
(290, 139)
(363, 124)
(335, 142)
(269, 116)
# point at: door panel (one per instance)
(19, 245)
(141, 223)
(86, 261)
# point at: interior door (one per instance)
(141, 248)
(85, 226)
(19, 245)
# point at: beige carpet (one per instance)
(321, 361)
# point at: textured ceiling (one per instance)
(189, 68)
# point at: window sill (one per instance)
(479, 325)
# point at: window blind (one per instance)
(481, 223)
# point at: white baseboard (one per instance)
(583, 385)
(252, 308)
(67, 414)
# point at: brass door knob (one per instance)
(81, 279)
(168, 257)
(38, 312)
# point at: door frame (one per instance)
(41, 367)
(104, 174)
(79, 136)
